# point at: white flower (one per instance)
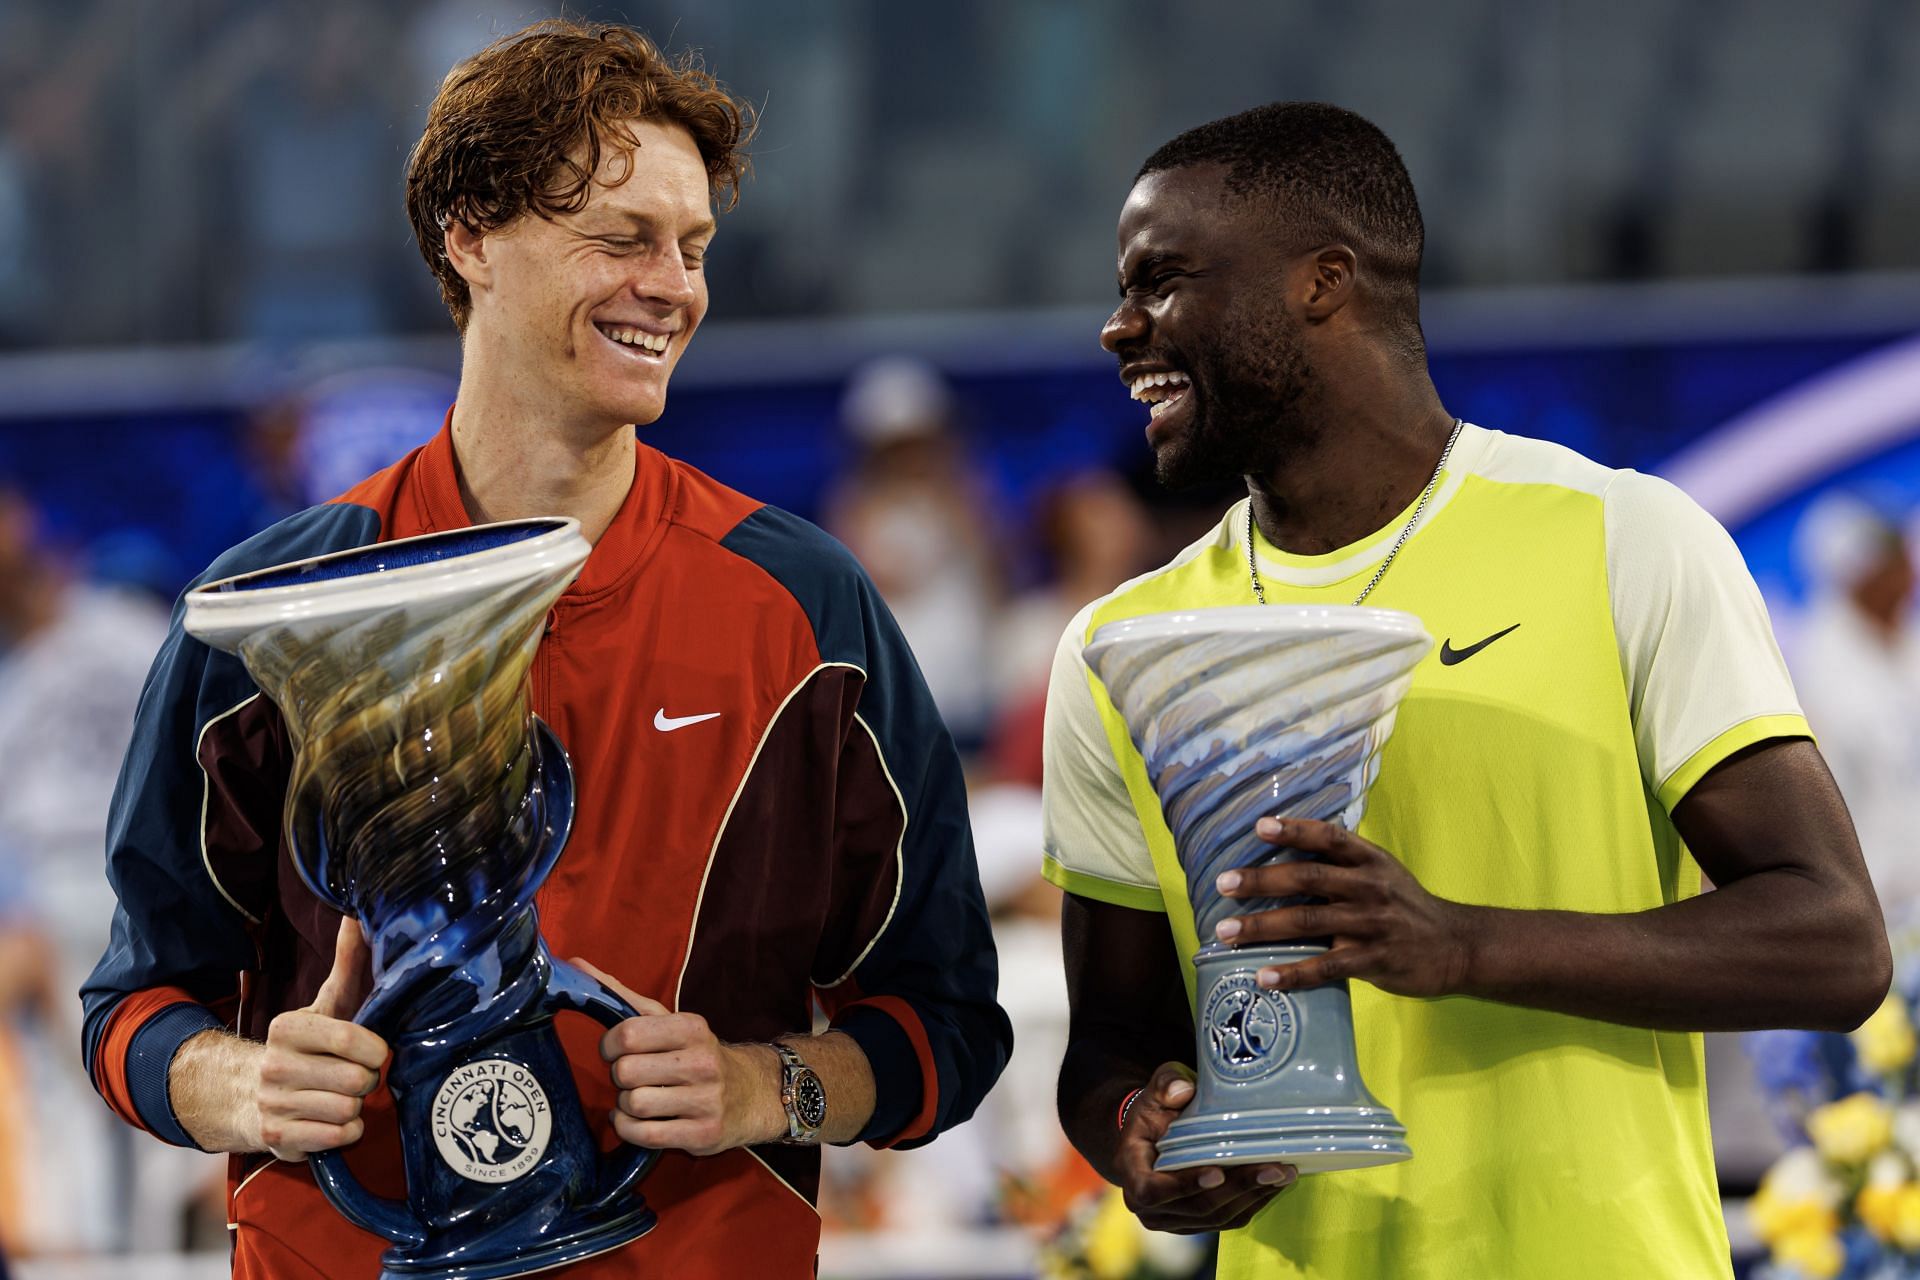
(1802, 1175)
(1888, 1169)
(1169, 1254)
(1906, 1128)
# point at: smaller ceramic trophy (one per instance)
(1239, 714)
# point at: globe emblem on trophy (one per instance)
(491, 1121)
(426, 800)
(1250, 1032)
(1241, 713)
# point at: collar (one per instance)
(1362, 555)
(629, 541)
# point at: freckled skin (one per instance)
(632, 253)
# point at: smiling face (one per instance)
(588, 312)
(1203, 333)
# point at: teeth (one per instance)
(1146, 386)
(655, 342)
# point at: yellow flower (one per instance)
(1885, 1041)
(1851, 1130)
(1814, 1253)
(1776, 1219)
(1906, 1218)
(1877, 1207)
(1113, 1239)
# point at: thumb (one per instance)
(1167, 1093)
(346, 987)
(640, 1003)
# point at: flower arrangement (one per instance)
(1844, 1202)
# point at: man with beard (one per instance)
(1607, 716)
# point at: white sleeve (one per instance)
(1092, 836)
(1704, 674)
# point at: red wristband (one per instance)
(1126, 1105)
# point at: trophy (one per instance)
(426, 800)
(1242, 713)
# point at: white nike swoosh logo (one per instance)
(667, 724)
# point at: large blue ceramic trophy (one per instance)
(1242, 713)
(428, 802)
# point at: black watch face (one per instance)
(810, 1100)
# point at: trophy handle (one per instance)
(570, 990)
(389, 1218)
(393, 1219)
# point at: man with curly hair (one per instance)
(770, 812)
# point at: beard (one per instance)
(1246, 404)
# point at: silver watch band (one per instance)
(795, 1077)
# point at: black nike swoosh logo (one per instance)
(1450, 655)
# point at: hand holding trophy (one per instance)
(1242, 714)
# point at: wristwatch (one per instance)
(802, 1097)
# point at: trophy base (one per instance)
(1278, 1080)
(612, 1229)
(1311, 1139)
(504, 1176)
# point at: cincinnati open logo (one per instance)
(1250, 1031)
(491, 1121)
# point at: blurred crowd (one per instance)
(196, 170)
(223, 170)
(982, 585)
(74, 649)
(290, 138)
(1855, 655)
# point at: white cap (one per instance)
(1840, 539)
(895, 398)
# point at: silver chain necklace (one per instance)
(1253, 565)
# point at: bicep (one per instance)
(1771, 807)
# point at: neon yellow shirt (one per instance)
(1536, 773)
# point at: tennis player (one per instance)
(770, 816)
(1606, 716)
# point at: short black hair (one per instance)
(1334, 177)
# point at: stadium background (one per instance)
(1678, 235)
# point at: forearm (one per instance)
(211, 1086)
(1129, 1016)
(1772, 949)
(1096, 1075)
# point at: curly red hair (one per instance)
(519, 128)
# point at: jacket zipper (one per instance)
(540, 693)
(541, 689)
